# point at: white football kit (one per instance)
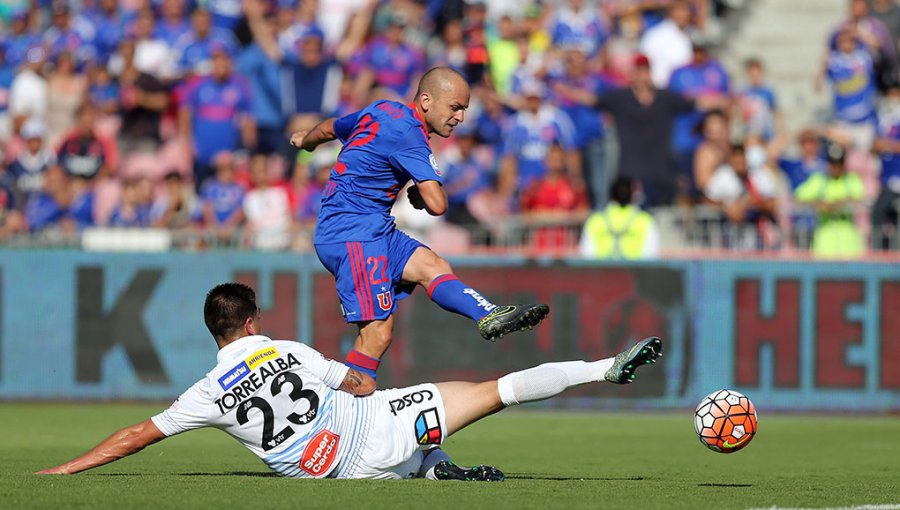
(280, 400)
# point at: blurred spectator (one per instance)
(811, 159)
(109, 27)
(7, 73)
(552, 199)
(336, 17)
(757, 102)
(490, 118)
(222, 200)
(176, 207)
(874, 37)
(391, 63)
(888, 13)
(66, 91)
(215, 115)
(19, 40)
(534, 27)
(704, 78)
(886, 210)
(173, 23)
(267, 209)
(474, 31)
(504, 55)
(103, 91)
(65, 204)
(259, 64)
(668, 44)
(621, 230)
(303, 24)
(553, 195)
(11, 220)
(574, 90)
(28, 92)
(225, 13)
(644, 116)
(61, 37)
(313, 81)
(450, 49)
(83, 154)
(528, 136)
(715, 149)
(134, 209)
(576, 25)
(850, 71)
(196, 48)
(27, 171)
(466, 176)
(143, 98)
(834, 194)
(151, 54)
(744, 195)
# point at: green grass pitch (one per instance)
(552, 460)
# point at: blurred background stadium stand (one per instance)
(144, 157)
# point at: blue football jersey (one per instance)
(385, 145)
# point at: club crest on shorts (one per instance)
(428, 427)
(385, 300)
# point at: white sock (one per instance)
(549, 379)
(432, 457)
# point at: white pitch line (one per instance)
(859, 507)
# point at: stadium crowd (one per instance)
(175, 114)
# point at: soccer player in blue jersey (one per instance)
(374, 264)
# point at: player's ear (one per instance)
(425, 101)
(251, 326)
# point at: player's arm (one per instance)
(336, 375)
(123, 443)
(428, 195)
(325, 131)
(308, 140)
(357, 383)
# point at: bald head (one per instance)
(442, 99)
(440, 79)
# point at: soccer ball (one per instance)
(725, 421)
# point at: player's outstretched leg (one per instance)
(625, 363)
(437, 465)
(434, 273)
(447, 470)
(510, 318)
(466, 403)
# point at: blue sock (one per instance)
(455, 296)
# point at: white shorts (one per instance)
(406, 422)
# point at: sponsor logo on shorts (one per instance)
(399, 404)
(320, 453)
(483, 303)
(234, 375)
(260, 356)
(428, 427)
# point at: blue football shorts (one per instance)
(368, 274)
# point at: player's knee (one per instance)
(440, 266)
(380, 338)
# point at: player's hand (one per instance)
(298, 138)
(51, 471)
(415, 198)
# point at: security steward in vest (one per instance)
(621, 230)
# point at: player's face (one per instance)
(447, 109)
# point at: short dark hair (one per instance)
(227, 307)
(620, 191)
